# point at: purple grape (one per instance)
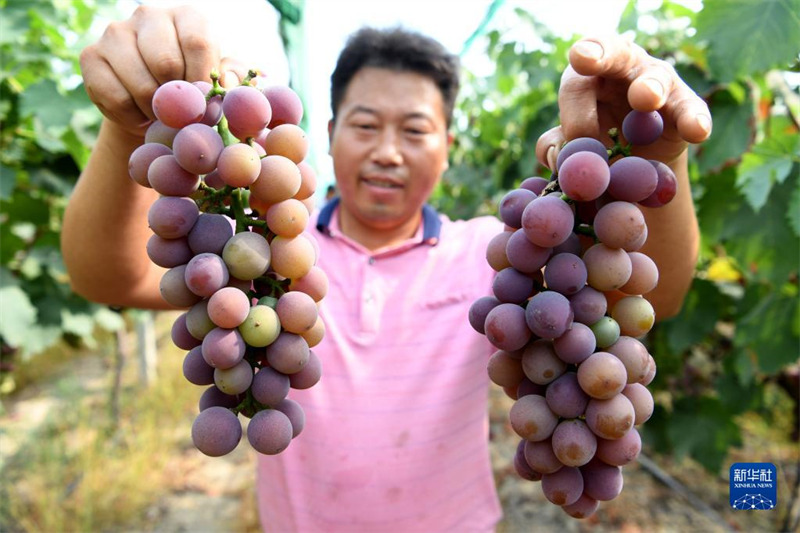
(141, 158)
(513, 204)
(563, 487)
(506, 327)
(666, 188)
(534, 184)
(565, 273)
(269, 432)
(524, 255)
(172, 217)
(581, 144)
(512, 286)
(210, 233)
(576, 344)
(565, 396)
(195, 368)
(296, 415)
(547, 221)
(478, 311)
(216, 431)
(589, 305)
(632, 179)
(521, 465)
(548, 314)
(540, 457)
(584, 176)
(642, 127)
(168, 253)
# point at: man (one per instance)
(396, 432)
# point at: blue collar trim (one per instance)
(431, 225)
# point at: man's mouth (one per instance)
(384, 183)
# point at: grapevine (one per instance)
(568, 311)
(230, 228)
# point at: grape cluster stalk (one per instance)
(235, 195)
(568, 312)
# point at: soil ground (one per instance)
(216, 495)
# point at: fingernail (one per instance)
(704, 122)
(589, 50)
(655, 86)
(552, 157)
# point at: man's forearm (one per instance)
(105, 228)
(673, 243)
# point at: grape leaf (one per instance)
(703, 307)
(732, 133)
(764, 329)
(745, 36)
(768, 162)
(17, 314)
(763, 241)
(704, 429)
(793, 215)
(7, 181)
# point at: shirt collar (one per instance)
(431, 224)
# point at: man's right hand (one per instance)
(133, 57)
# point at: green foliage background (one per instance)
(739, 331)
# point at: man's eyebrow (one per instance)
(371, 111)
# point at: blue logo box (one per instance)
(753, 486)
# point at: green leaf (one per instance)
(768, 162)
(108, 319)
(764, 241)
(703, 429)
(765, 329)
(758, 172)
(703, 307)
(749, 36)
(8, 180)
(27, 207)
(732, 133)
(44, 101)
(17, 314)
(793, 214)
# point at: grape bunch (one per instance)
(230, 227)
(568, 311)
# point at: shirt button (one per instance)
(371, 260)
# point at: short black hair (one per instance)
(397, 49)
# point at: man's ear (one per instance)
(331, 125)
(450, 138)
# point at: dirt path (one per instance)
(215, 495)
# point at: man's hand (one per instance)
(133, 57)
(607, 78)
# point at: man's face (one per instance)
(389, 146)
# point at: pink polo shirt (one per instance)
(396, 432)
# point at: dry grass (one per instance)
(80, 470)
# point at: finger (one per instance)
(103, 84)
(548, 145)
(157, 42)
(233, 72)
(609, 57)
(197, 43)
(577, 104)
(654, 84)
(690, 114)
(122, 55)
(108, 93)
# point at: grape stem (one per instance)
(585, 230)
(617, 149)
